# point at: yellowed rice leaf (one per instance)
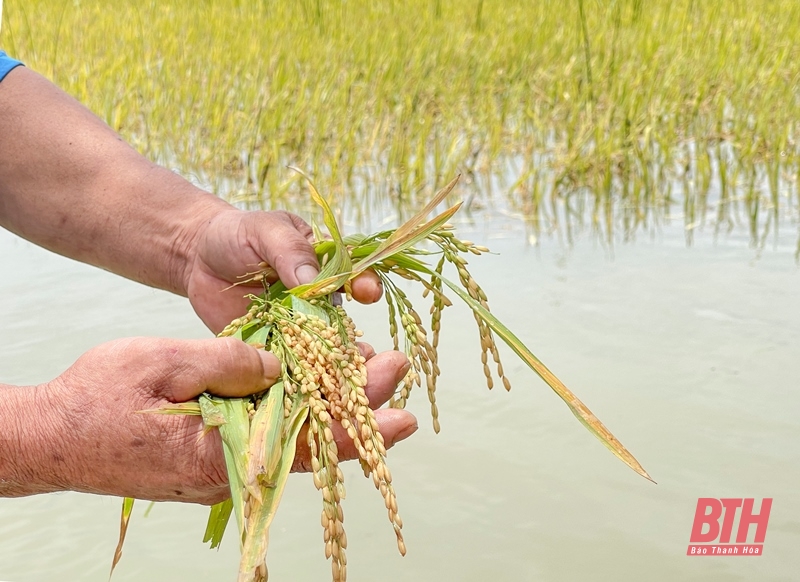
(266, 429)
(127, 509)
(578, 408)
(189, 408)
(420, 216)
(397, 244)
(327, 214)
(262, 514)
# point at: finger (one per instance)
(367, 351)
(283, 242)
(384, 372)
(394, 425)
(223, 366)
(367, 287)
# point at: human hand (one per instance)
(233, 242)
(98, 441)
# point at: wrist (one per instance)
(189, 237)
(32, 443)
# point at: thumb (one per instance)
(283, 242)
(223, 366)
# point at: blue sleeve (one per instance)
(6, 64)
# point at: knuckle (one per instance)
(235, 355)
(230, 346)
(281, 215)
(294, 250)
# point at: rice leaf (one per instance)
(321, 286)
(246, 332)
(191, 408)
(578, 408)
(354, 240)
(127, 509)
(255, 547)
(261, 335)
(266, 429)
(235, 433)
(327, 214)
(331, 275)
(217, 522)
(398, 243)
(302, 306)
(420, 216)
(390, 247)
(212, 415)
(316, 231)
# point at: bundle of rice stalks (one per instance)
(324, 375)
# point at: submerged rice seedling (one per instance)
(324, 376)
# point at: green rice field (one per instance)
(613, 114)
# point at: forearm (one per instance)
(31, 460)
(72, 185)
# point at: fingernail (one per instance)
(305, 274)
(405, 433)
(401, 373)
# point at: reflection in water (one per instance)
(702, 190)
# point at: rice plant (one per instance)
(324, 375)
(624, 109)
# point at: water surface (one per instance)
(689, 355)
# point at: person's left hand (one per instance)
(234, 242)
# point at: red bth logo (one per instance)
(714, 522)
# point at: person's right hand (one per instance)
(99, 442)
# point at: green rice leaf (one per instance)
(247, 330)
(321, 286)
(392, 246)
(261, 335)
(217, 522)
(147, 511)
(334, 273)
(354, 240)
(316, 231)
(302, 306)
(235, 433)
